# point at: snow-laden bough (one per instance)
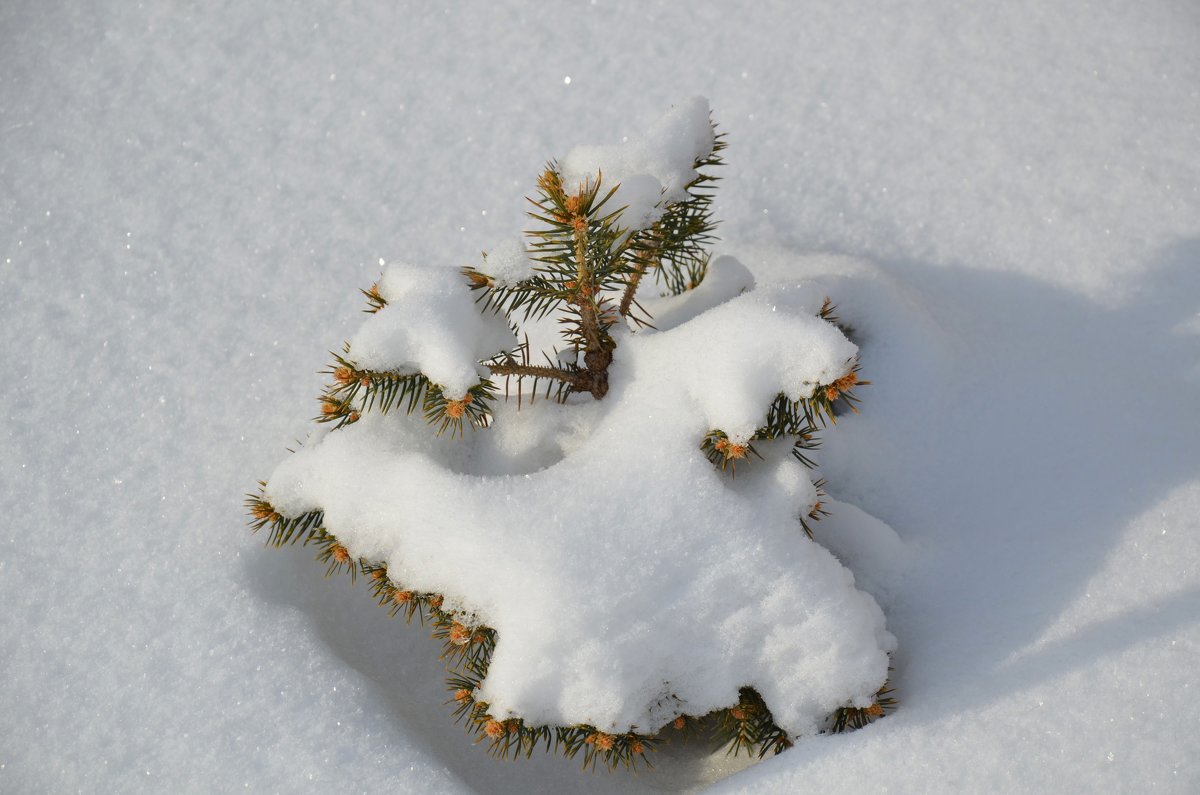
(621, 546)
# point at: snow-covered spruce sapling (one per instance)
(599, 577)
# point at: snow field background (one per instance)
(191, 196)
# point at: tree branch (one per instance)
(644, 260)
(589, 324)
(538, 371)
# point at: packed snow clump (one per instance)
(508, 262)
(629, 580)
(652, 169)
(430, 325)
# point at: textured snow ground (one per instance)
(190, 197)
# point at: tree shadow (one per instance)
(1068, 418)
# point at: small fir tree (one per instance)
(534, 336)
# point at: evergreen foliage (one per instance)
(588, 270)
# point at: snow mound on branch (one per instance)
(430, 325)
(745, 352)
(726, 277)
(508, 262)
(653, 169)
(629, 581)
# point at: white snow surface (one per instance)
(1003, 200)
(630, 581)
(725, 277)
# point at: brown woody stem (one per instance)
(645, 260)
(631, 288)
(583, 284)
(538, 371)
